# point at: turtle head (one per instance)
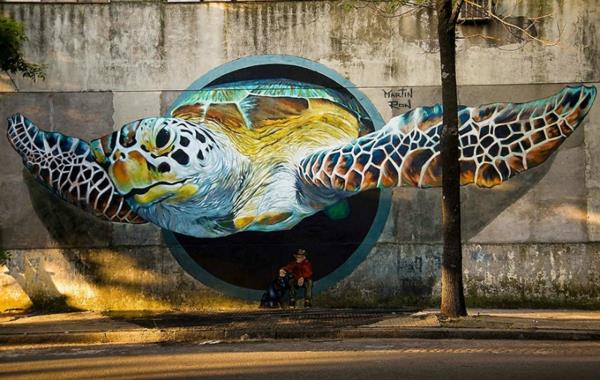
(157, 160)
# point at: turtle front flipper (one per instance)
(66, 166)
(496, 141)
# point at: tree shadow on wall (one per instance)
(70, 228)
(38, 284)
(67, 225)
(81, 238)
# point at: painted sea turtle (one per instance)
(262, 155)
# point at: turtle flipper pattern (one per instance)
(66, 166)
(496, 141)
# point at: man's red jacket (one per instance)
(303, 269)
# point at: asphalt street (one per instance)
(336, 359)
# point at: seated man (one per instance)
(301, 269)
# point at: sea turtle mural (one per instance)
(262, 155)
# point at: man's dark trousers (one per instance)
(293, 285)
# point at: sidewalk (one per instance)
(134, 327)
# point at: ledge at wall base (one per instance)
(88, 328)
(199, 335)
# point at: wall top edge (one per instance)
(474, 85)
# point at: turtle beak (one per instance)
(139, 181)
(133, 173)
(129, 171)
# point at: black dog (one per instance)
(272, 297)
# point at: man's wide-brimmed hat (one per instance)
(300, 252)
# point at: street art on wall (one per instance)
(263, 147)
(240, 157)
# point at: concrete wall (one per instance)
(532, 241)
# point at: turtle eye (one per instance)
(162, 138)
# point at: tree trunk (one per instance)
(453, 299)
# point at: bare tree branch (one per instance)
(12, 80)
(479, 35)
(511, 27)
(384, 14)
(456, 11)
(389, 9)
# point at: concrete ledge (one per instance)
(459, 333)
(175, 335)
(146, 328)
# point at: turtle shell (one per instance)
(276, 117)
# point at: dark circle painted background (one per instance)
(243, 264)
(251, 259)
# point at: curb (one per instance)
(176, 335)
(466, 333)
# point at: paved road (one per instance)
(323, 360)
